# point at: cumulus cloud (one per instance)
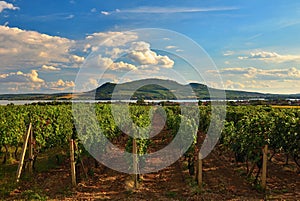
(77, 59)
(19, 48)
(21, 77)
(33, 76)
(104, 62)
(50, 68)
(140, 56)
(31, 82)
(229, 84)
(293, 72)
(270, 57)
(115, 53)
(284, 86)
(120, 52)
(108, 63)
(60, 85)
(122, 66)
(109, 39)
(5, 5)
(143, 55)
(252, 72)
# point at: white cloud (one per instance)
(229, 84)
(108, 63)
(70, 17)
(77, 59)
(143, 55)
(20, 48)
(122, 66)
(108, 39)
(60, 85)
(105, 13)
(228, 53)
(21, 77)
(104, 62)
(270, 57)
(171, 47)
(93, 82)
(263, 74)
(50, 68)
(264, 86)
(31, 82)
(285, 80)
(170, 10)
(293, 72)
(5, 5)
(34, 77)
(115, 53)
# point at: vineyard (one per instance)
(248, 133)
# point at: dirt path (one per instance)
(166, 184)
(222, 181)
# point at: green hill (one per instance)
(152, 89)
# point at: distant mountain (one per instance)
(152, 89)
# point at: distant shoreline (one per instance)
(23, 102)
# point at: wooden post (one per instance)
(264, 167)
(72, 161)
(21, 162)
(199, 176)
(30, 152)
(135, 162)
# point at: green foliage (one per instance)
(249, 128)
(31, 195)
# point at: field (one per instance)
(287, 106)
(232, 171)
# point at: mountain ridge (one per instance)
(152, 89)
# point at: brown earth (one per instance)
(223, 180)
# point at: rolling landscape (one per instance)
(150, 92)
(149, 100)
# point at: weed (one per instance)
(171, 194)
(31, 195)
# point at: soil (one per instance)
(223, 179)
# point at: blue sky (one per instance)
(254, 44)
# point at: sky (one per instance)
(55, 46)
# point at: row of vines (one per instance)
(247, 128)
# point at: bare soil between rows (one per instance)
(223, 179)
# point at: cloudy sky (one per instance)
(255, 45)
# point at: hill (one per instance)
(152, 89)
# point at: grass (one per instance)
(171, 194)
(8, 184)
(32, 195)
(7, 179)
